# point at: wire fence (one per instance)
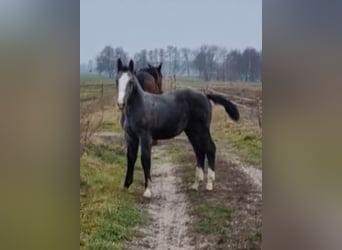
(97, 91)
(90, 92)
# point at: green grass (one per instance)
(111, 120)
(90, 86)
(94, 91)
(95, 79)
(108, 216)
(108, 154)
(181, 153)
(198, 83)
(255, 237)
(212, 219)
(246, 141)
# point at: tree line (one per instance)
(209, 62)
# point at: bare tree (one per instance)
(251, 65)
(90, 65)
(150, 56)
(169, 55)
(232, 64)
(186, 57)
(161, 55)
(120, 53)
(211, 62)
(175, 61)
(155, 56)
(205, 61)
(106, 60)
(140, 59)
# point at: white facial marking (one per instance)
(122, 85)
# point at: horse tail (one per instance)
(230, 107)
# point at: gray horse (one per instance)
(150, 117)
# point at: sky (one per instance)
(137, 24)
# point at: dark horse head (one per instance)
(151, 79)
(156, 73)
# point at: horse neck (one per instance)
(136, 98)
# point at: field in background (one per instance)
(109, 217)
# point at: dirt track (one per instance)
(238, 187)
(167, 209)
(171, 223)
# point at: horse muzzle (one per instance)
(121, 106)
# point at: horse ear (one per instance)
(131, 66)
(119, 65)
(160, 66)
(149, 65)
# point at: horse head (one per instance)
(157, 74)
(125, 82)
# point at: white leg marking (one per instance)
(148, 193)
(211, 174)
(195, 185)
(200, 174)
(198, 177)
(211, 179)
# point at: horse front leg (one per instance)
(146, 145)
(131, 154)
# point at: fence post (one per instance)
(102, 90)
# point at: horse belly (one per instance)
(169, 129)
(163, 135)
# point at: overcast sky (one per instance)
(149, 24)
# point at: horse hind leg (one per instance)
(210, 152)
(200, 158)
(199, 176)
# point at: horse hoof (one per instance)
(209, 186)
(194, 186)
(147, 193)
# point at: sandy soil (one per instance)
(171, 224)
(167, 209)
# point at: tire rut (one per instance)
(167, 209)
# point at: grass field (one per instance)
(110, 217)
(93, 87)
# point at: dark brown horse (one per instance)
(151, 78)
